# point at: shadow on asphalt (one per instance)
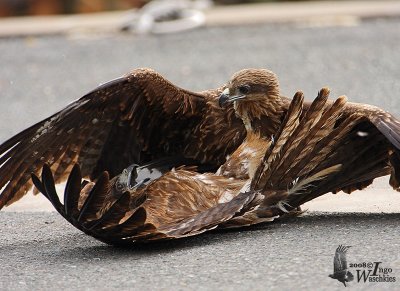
(82, 246)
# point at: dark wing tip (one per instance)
(107, 85)
(390, 131)
(95, 200)
(72, 191)
(38, 184)
(47, 187)
(388, 125)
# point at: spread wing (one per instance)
(176, 205)
(292, 165)
(183, 203)
(339, 261)
(363, 151)
(365, 141)
(334, 146)
(133, 119)
(298, 147)
(371, 147)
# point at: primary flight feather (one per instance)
(183, 202)
(142, 118)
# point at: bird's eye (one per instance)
(244, 89)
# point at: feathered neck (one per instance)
(261, 114)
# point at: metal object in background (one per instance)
(166, 16)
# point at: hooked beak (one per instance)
(226, 98)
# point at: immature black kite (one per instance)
(127, 209)
(142, 118)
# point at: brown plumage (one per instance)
(134, 119)
(289, 155)
(278, 181)
(244, 160)
(367, 137)
(183, 202)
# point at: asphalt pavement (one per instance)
(40, 251)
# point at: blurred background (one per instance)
(53, 52)
(49, 59)
(50, 7)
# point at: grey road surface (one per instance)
(40, 251)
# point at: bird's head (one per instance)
(253, 92)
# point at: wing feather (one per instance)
(210, 218)
(301, 159)
(365, 141)
(388, 125)
(283, 181)
(133, 119)
(349, 139)
(168, 210)
(271, 157)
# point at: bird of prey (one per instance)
(182, 202)
(370, 144)
(138, 118)
(340, 271)
(142, 118)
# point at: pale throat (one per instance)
(244, 117)
(249, 111)
(252, 111)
